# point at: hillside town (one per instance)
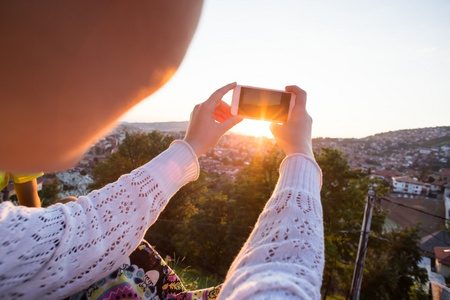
(414, 163)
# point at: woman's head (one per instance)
(70, 69)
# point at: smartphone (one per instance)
(262, 104)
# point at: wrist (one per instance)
(306, 152)
(305, 149)
(194, 147)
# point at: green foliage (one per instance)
(136, 149)
(251, 190)
(395, 270)
(202, 237)
(222, 214)
(208, 220)
(419, 292)
(179, 210)
(192, 279)
(437, 142)
(254, 185)
(391, 264)
(14, 199)
(343, 195)
(50, 193)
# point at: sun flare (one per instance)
(254, 128)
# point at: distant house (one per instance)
(424, 151)
(447, 190)
(436, 262)
(230, 171)
(84, 162)
(437, 186)
(440, 239)
(442, 260)
(407, 185)
(387, 174)
(443, 175)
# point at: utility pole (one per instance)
(361, 256)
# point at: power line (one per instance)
(413, 223)
(363, 242)
(426, 231)
(343, 231)
(413, 208)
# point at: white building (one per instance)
(447, 202)
(407, 185)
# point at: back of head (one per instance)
(70, 69)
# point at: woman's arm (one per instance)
(284, 255)
(59, 250)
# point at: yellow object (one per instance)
(17, 178)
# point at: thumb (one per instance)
(230, 122)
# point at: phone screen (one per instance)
(264, 104)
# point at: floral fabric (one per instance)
(145, 276)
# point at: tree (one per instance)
(50, 193)
(165, 233)
(395, 270)
(391, 264)
(202, 238)
(134, 151)
(224, 212)
(209, 220)
(249, 194)
(343, 195)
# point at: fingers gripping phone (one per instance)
(262, 104)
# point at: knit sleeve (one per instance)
(54, 252)
(284, 255)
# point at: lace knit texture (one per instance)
(284, 256)
(54, 252)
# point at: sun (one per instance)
(253, 128)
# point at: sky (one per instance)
(367, 66)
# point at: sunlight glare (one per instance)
(253, 128)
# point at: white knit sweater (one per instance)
(284, 255)
(55, 252)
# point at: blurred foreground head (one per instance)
(69, 69)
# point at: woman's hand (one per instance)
(295, 135)
(209, 121)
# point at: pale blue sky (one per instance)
(368, 66)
